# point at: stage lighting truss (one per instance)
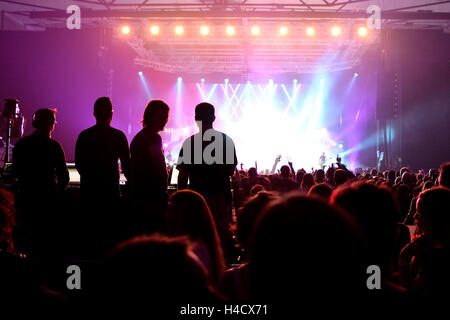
(243, 51)
(266, 49)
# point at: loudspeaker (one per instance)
(388, 94)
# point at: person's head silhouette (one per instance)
(156, 115)
(44, 121)
(103, 111)
(444, 176)
(285, 172)
(204, 113)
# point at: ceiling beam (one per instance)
(385, 15)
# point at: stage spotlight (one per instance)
(226, 80)
(204, 30)
(310, 31)
(180, 79)
(283, 31)
(355, 74)
(179, 30)
(154, 30)
(363, 31)
(336, 31)
(126, 29)
(230, 30)
(202, 80)
(255, 30)
(140, 73)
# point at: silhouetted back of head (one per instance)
(300, 174)
(103, 109)
(189, 215)
(248, 215)
(285, 172)
(148, 269)
(156, 115)
(444, 176)
(303, 246)
(307, 181)
(321, 190)
(44, 119)
(408, 178)
(252, 172)
(376, 212)
(340, 176)
(204, 112)
(320, 175)
(433, 213)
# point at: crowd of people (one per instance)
(225, 234)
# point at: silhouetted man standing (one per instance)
(148, 172)
(97, 152)
(39, 165)
(208, 159)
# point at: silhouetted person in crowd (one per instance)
(148, 172)
(97, 152)
(299, 176)
(340, 176)
(154, 272)
(208, 160)
(423, 256)
(18, 281)
(319, 176)
(376, 212)
(234, 284)
(39, 164)
(409, 220)
(285, 184)
(321, 190)
(444, 176)
(307, 182)
(253, 179)
(188, 214)
(305, 247)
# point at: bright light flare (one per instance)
(255, 30)
(204, 30)
(336, 31)
(179, 30)
(125, 29)
(154, 30)
(283, 31)
(310, 31)
(363, 31)
(230, 30)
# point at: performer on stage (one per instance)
(322, 161)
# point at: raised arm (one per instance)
(277, 160)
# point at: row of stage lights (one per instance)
(310, 31)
